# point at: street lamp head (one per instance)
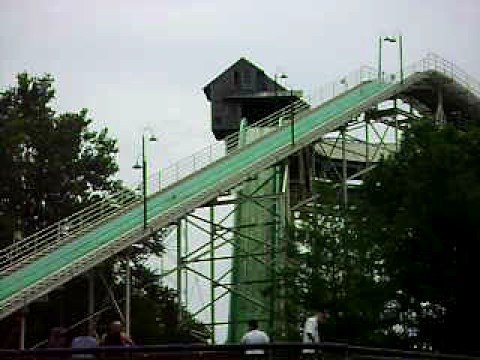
(278, 76)
(137, 165)
(152, 138)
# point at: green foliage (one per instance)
(398, 267)
(156, 313)
(154, 309)
(338, 270)
(52, 164)
(425, 203)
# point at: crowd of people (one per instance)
(87, 338)
(311, 333)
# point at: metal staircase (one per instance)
(51, 257)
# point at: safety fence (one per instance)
(280, 351)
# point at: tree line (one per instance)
(397, 266)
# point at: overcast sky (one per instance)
(144, 63)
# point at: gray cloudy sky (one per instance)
(137, 63)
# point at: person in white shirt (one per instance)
(254, 337)
(311, 331)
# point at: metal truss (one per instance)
(211, 238)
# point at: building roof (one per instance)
(207, 88)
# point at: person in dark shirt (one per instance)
(58, 338)
(115, 336)
(86, 338)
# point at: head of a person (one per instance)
(58, 337)
(91, 330)
(115, 327)
(252, 324)
(86, 329)
(322, 316)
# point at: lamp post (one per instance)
(285, 76)
(400, 47)
(276, 77)
(143, 166)
(391, 39)
(379, 58)
(292, 118)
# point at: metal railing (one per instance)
(69, 228)
(17, 254)
(332, 89)
(434, 62)
(23, 252)
(283, 351)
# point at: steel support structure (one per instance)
(212, 275)
(23, 328)
(91, 299)
(344, 156)
(128, 295)
(235, 245)
(210, 239)
(246, 230)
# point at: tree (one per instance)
(424, 204)
(159, 321)
(398, 267)
(52, 166)
(338, 269)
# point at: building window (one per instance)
(236, 78)
(247, 78)
(261, 83)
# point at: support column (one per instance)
(91, 299)
(185, 271)
(367, 141)
(344, 167)
(179, 270)
(380, 59)
(112, 298)
(273, 243)
(396, 125)
(440, 118)
(400, 46)
(212, 274)
(128, 294)
(292, 121)
(23, 328)
(284, 243)
(162, 262)
(242, 132)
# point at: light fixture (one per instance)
(390, 39)
(137, 165)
